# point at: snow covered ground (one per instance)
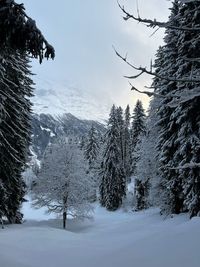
(112, 239)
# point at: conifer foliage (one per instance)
(127, 142)
(19, 32)
(137, 130)
(91, 147)
(91, 155)
(15, 132)
(112, 186)
(19, 38)
(176, 83)
(179, 130)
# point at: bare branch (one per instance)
(154, 23)
(149, 94)
(143, 70)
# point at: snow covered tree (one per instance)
(127, 143)
(19, 38)
(63, 185)
(91, 154)
(147, 166)
(120, 124)
(179, 92)
(91, 147)
(18, 32)
(137, 129)
(187, 114)
(112, 186)
(171, 182)
(15, 91)
(82, 142)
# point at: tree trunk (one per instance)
(64, 219)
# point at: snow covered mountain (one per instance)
(57, 98)
(46, 128)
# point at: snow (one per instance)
(58, 97)
(112, 239)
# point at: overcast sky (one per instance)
(83, 32)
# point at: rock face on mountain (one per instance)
(46, 129)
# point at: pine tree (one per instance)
(171, 182)
(91, 147)
(19, 37)
(82, 143)
(120, 125)
(187, 114)
(112, 186)
(91, 155)
(147, 166)
(137, 129)
(15, 131)
(127, 143)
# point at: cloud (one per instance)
(83, 33)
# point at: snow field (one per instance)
(112, 239)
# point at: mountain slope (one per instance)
(46, 128)
(57, 98)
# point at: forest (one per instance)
(137, 163)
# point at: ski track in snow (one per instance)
(111, 239)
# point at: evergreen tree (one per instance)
(112, 186)
(18, 32)
(127, 143)
(171, 182)
(187, 113)
(82, 142)
(137, 129)
(91, 147)
(91, 154)
(120, 125)
(147, 174)
(15, 131)
(19, 37)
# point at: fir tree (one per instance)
(120, 125)
(15, 131)
(147, 174)
(91, 155)
(18, 32)
(112, 186)
(127, 143)
(187, 113)
(171, 182)
(91, 147)
(137, 129)
(19, 37)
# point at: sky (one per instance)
(83, 33)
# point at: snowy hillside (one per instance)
(117, 239)
(46, 128)
(58, 98)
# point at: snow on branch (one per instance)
(190, 165)
(184, 96)
(19, 32)
(150, 94)
(154, 23)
